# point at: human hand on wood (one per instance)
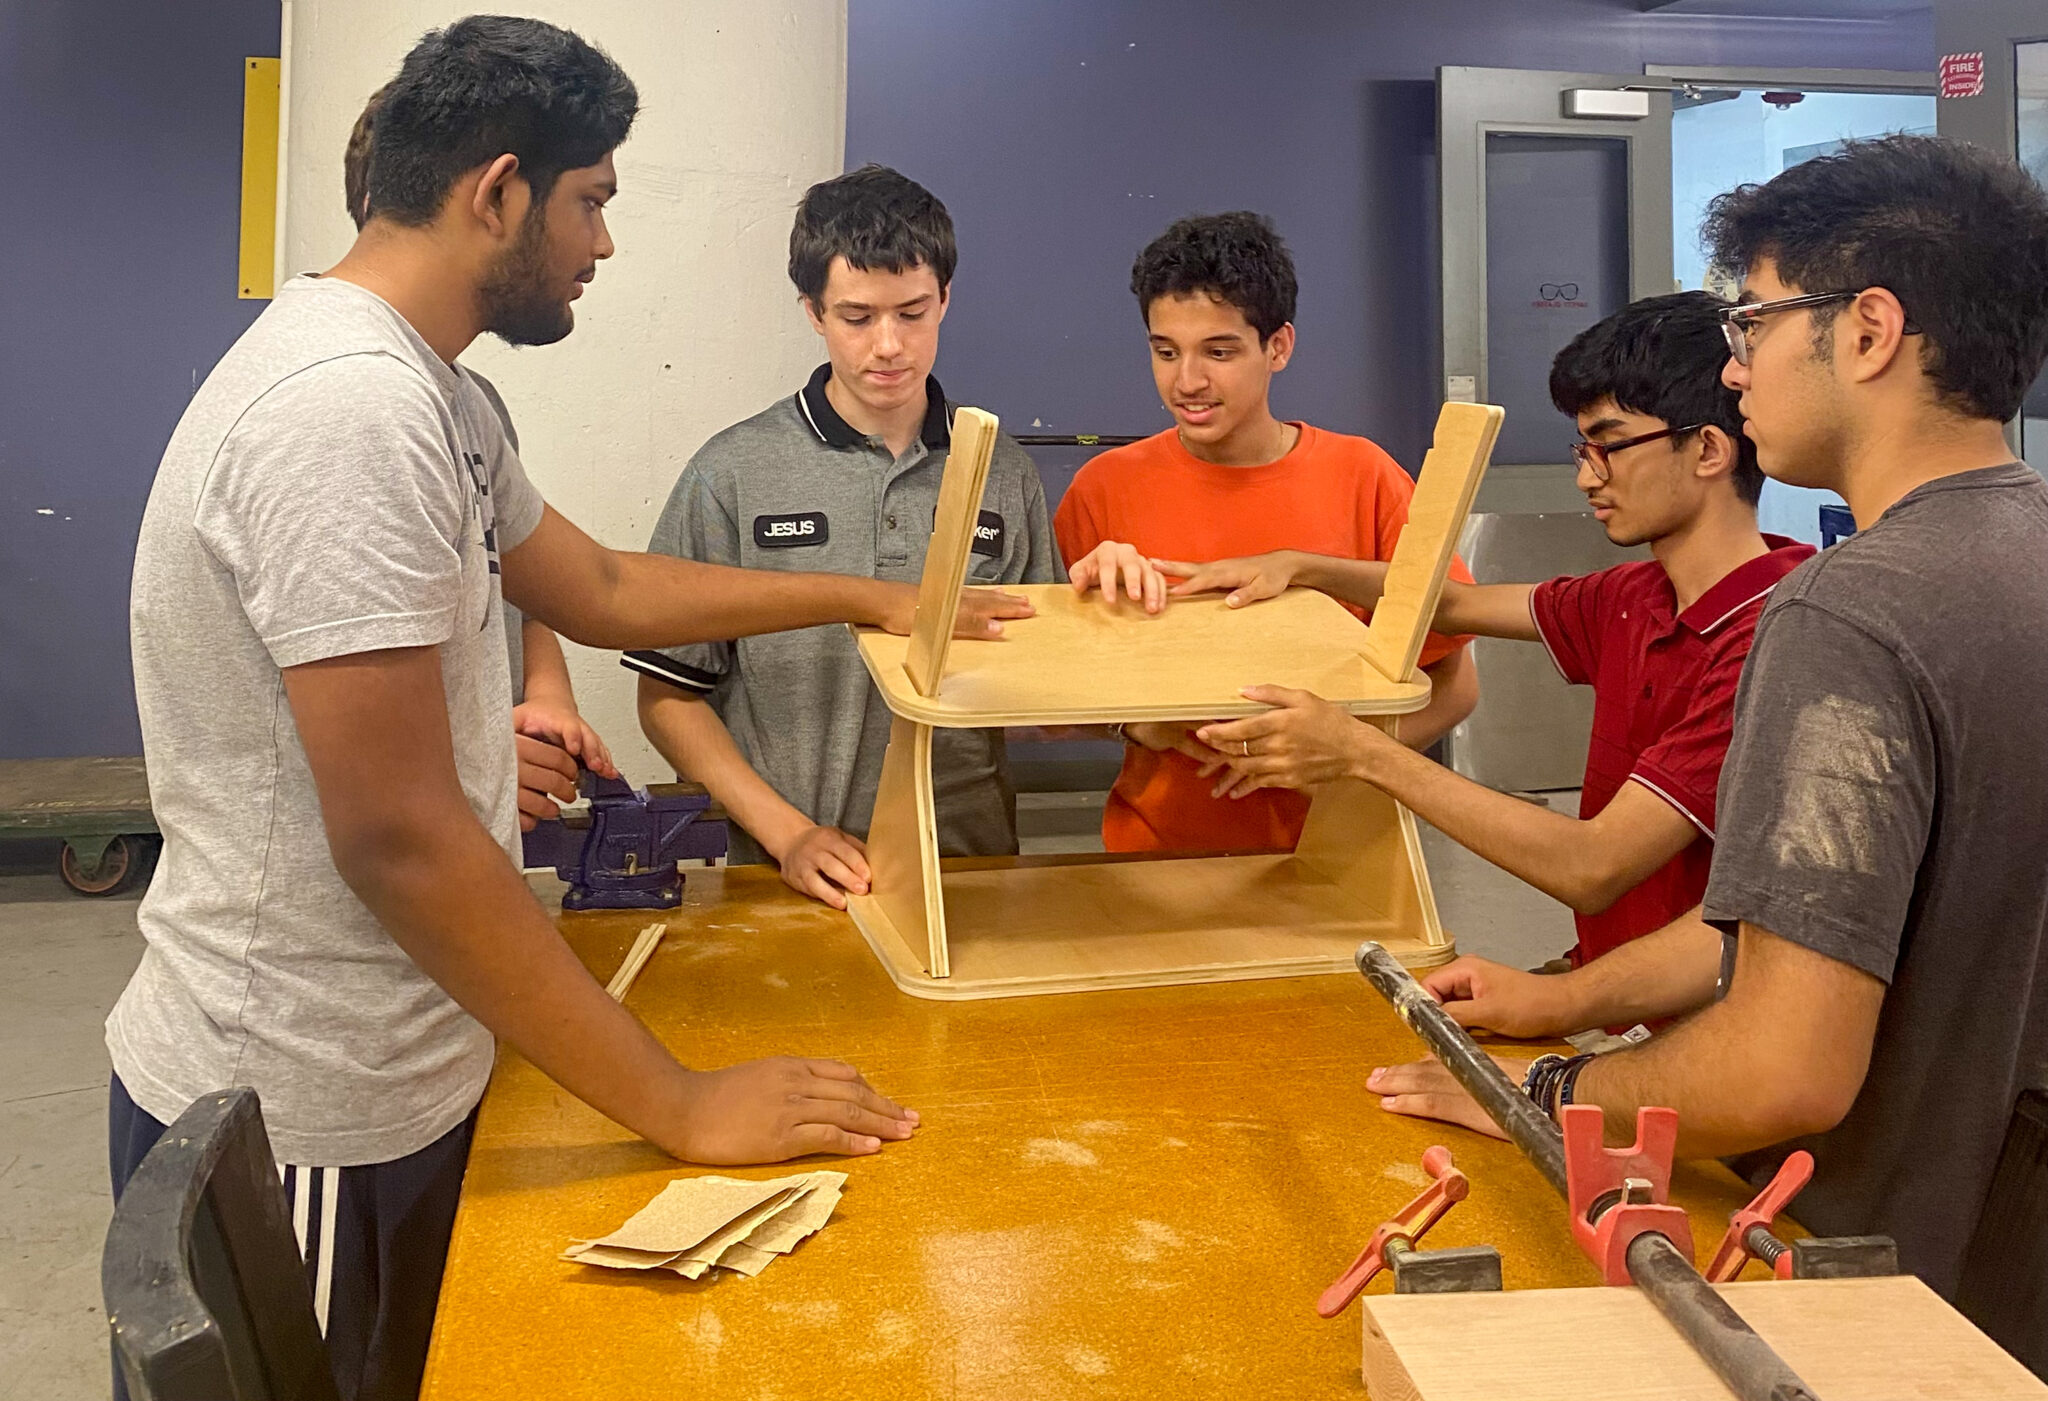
(1249, 578)
(1114, 567)
(768, 1111)
(547, 779)
(1160, 736)
(1477, 992)
(567, 729)
(981, 612)
(825, 864)
(1302, 742)
(1424, 1089)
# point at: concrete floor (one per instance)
(64, 959)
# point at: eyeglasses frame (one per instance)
(1738, 321)
(1593, 456)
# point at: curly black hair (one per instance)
(1958, 233)
(1661, 356)
(481, 88)
(874, 218)
(1238, 257)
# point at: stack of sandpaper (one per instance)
(698, 1223)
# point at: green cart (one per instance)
(99, 807)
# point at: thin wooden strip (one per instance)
(1450, 476)
(636, 959)
(946, 557)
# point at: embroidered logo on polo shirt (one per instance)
(788, 532)
(988, 534)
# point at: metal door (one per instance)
(1994, 91)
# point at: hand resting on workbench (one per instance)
(376, 723)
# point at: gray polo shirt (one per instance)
(797, 488)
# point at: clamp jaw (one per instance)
(1617, 1194)
(1749, 1236)
(1392, 1246)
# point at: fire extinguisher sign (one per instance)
(1962, 75)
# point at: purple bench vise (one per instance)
(622, 854)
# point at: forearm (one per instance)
(446, 893)
(544, 670)
(1489, 610)
(1782, 1055)
(1453, 693)
(647, 601)
(688, 733)
(1355, 581)
(1547, 849)
(1666, 973)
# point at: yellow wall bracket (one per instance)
(258, 275)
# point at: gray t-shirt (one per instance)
(515, 639)
(333, 488)
(1885, 803)
(795, 487)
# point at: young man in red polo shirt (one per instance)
(1217, 294)
(1662, 642)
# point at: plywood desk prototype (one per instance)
(959, 929)
(1132, 1194)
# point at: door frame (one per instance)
(1994, 28)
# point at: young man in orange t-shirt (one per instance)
(1217, 294)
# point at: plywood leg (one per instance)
(1368, 845)
(903, 853)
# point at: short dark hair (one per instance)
(355, 159)
(1661, 356)
(485, 86)
(873, 217)
(1957, 233)
(1239, 257)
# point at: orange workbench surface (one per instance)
(1114, 1194)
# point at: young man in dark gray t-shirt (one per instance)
(1878, 877)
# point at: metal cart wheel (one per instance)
(125, 862)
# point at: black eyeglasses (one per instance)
(1593, 456)
(1738, 322)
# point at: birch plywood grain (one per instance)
(1081, 660)
(1450, 477)
(1849, 1339)
(945, 560)
(1023, 927)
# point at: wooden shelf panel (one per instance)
(1890, 1339)
(1074, 926)
(1084, 661)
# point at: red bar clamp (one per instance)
(1793, 1175)
(1407, 1226)
(1629, 1186)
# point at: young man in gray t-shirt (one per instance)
(1878, 882)
(339, 920)
(788, 732)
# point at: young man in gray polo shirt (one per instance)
(1877, 875)
(787, 731)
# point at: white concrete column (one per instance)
(693, 325)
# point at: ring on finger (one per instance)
(1247, 747)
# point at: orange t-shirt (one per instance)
(1332, 494)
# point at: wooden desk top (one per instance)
(1114, 1194)
(1082, 661)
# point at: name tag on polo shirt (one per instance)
(788, 532)
(988, 534)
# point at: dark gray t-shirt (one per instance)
(1885, 803)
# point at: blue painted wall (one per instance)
(121, 160)
(1063, 137)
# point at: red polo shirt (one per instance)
(1663, 706)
